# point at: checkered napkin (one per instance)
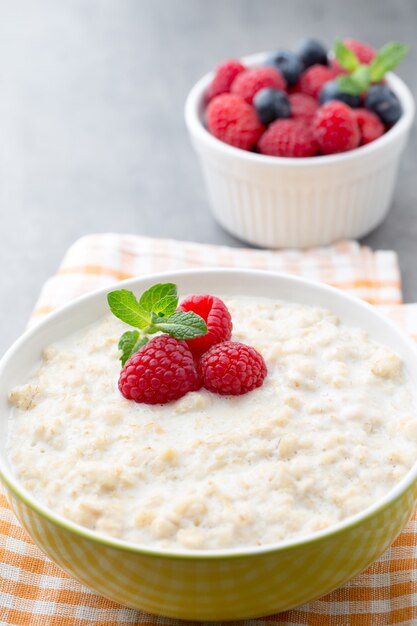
(34, 592)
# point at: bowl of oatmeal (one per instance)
(214, 507)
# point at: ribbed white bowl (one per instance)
(283, 202)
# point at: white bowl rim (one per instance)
(196, 127)
(13, 483)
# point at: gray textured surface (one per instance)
(92, 136)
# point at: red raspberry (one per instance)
(335, 128)
(370, 125)
(303, 107)
(288, 138)
(313, 79)
(163, 370)
(217, 317)
(364, 52)
(223, 78)
(232, 369)
(231, 119)
(249, 82)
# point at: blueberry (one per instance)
(271, 104)
(382, 101)
(331, 91)
(287, 63)
(311, 52)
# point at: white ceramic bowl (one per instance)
(283, 202)
(224, 584)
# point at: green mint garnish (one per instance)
(182, 325)
(387, 59)
(129, 343)
(161, 299)
(357, 82)
(345, 56)
(154, 312)
(124, 305)
(361, 76)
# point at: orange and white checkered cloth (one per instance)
(34, 592)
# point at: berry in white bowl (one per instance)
(274, 183)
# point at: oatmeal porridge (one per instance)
(332, 429)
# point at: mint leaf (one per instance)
(348, 84)
(362, 77)
(357, 82)
(154, 312)
(124, 305)
(161, 299)
(129, 343)
(346, 57)
(182, 325)
(387, 58)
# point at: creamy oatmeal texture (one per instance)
(332, 429)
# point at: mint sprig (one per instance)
(387, 59)
(357, 82)
(345, 56)
(361, 75)
(154, 312)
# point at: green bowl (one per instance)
(221, 584)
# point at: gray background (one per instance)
(92, 137)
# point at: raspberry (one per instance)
(249, 82)
(303, 107)
(288, 138)
(364, 52)
(223, 78)
(234, 121)
(218, 320)
(314, 78)
(232, 369)
(335, 128)
(163, 370)
(370, 125)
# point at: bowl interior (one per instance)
(24, 356)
